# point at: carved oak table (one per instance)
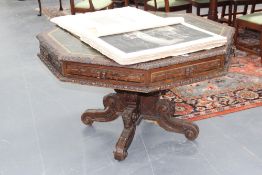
(138, 87)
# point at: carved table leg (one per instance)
(127, 134)
(166, 109)
(112, 105)
(120, 103)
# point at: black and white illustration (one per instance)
(154, 38)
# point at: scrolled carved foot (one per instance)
(165, 110)
(120, 155)
(112, 106)
(86, 120)
(192, 133)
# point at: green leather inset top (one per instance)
(98, 4)
(172, 3)
(253, 18)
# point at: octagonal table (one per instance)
(138, 87)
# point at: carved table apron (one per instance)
(138, 87)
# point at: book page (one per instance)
(129, 35)
(113, 21)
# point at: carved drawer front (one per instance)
(189, 70)
(103, 73)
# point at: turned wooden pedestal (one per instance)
(133, 107)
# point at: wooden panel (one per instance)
(104, 73)
(184, 71)
(141, 78)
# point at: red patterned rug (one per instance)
(240, 89)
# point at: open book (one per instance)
(129, 35)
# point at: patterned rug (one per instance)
(240, 89)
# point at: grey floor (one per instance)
(41, 132)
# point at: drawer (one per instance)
(104, 73)
(188, 70)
